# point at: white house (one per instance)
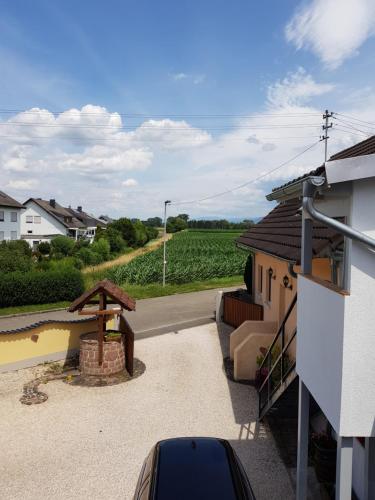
(10, 217)
(43, 220)
(319, 242)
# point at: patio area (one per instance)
(90, 442)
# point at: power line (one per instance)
(348, 131)
(143, 140)
(356, 119)
(156, 128)
(349, 126)
(140, 115)
(258, 178)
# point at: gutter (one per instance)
(294, 188)
(310, 187)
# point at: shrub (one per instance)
(19, 246)
(67, 262)
(44, 248)
(36, 287)
(62, 245)
(102, 247)
(152, 232)
(14, 261)
(116, 241)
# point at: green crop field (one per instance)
(191, 256)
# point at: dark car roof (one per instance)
(196, 468)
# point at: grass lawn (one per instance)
(137, 292)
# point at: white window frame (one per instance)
(29, 219)
(13, 217)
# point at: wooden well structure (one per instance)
(104, 294)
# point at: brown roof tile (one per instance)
(7, 201)
(279, 233)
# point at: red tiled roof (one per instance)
(279, 233)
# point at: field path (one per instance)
(126, 258)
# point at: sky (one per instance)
(120, 105)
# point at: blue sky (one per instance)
(162, 62)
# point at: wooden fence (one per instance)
(237, 310)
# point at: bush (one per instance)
(34, 287)
(14, 261)
(152, 232)
(102, 247)
(116, 241)
(73, 262)
(62, 245)
(44, 248)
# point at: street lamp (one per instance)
(167, 202)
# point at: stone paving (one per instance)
(90, 442)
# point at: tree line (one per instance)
(183, 221)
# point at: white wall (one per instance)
(320, 327)
(336, 333)
(48, 226)
(358, 405)
(7, 226)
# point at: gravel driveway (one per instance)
(89, 443)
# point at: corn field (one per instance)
(191, 256)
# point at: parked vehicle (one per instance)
(193, 469)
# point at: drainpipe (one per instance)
(309, 188)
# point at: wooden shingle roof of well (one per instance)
(279, 233)
(111, 290)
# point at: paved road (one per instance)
(151, 314)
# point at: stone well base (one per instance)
(113, 356)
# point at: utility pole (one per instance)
(167, 202)
(325, 128)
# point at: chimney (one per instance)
(52, 203)
(79, 209)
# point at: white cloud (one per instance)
(296, 89)
(179, 76)
(174, 159)
(196, 79)
(129, 183)
(333, 29)
(23, 184)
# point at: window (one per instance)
(1, 215)
(270, 277)
(29, 219)
(1, 235)
(37, 219)
(13, 235)
(13, 216)
(29, 232)
(260, 279)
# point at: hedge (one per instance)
(17, 289)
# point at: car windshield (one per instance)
(194, 468)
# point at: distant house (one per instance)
(10, 217)
(105, 219)
(43, 220)
(90, 222)
(320, 239)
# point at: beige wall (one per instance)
(281, 297)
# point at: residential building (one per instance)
(10, 217)
(43, 220)
(319, 240)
